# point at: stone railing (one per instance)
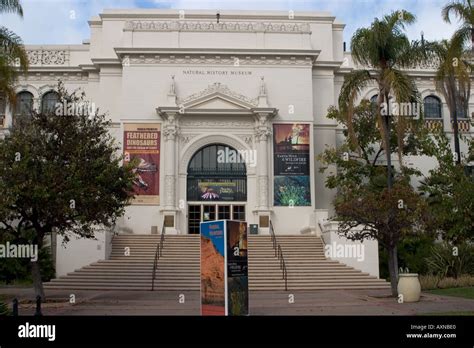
(48, 57)
(463, 125)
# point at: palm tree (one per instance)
(464, 11)
(453, 79)
(385, 50)
(12, 52)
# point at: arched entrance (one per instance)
(216, 185)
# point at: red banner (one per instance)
(141, 141)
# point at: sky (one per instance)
(65, 21)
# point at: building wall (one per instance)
(134, 58)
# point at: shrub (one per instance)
(18, 270)
(445, 261)
(429, 282)
(412, 252)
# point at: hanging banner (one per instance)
(224, 268)
(141, 141)
(291, 164)
(217, 191)
(237, 268)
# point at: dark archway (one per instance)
(217, 172)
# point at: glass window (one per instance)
(209, 213)
(194, 213)
(373, 103)
(224, 212)
(432, 107)
(238, 212)
(48, 102)
(217, 173)
(24, 103)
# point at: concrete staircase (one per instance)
(308, 268)
(178, 268)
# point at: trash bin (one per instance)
(253, 228)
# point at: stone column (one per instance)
(263, 133)
(170, 131)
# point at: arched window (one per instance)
(24, 103)
(217, 172)
(373, 103)
(432, 107)
(48, 102)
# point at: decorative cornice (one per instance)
(244, 60)
(216, 124)
(53, 76)
(212, 26)
(220, 88)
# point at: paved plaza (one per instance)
(322, 302)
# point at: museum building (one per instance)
(226, 116)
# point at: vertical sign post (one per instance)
(224, 268)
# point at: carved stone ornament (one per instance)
(218, 87)
(170, 190)
(48, 57)
(212, 26)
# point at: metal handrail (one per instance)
(283, 266)
(273, 237)
(158, 254)
(279, 255)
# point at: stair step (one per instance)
(178, 267)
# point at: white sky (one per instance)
(65, 21)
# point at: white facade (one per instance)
(206, 83)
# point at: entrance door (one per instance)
(216, 185)
(198, 213)
(194, 218)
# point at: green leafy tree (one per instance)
(365, 207)
(453, 80)
(450, 194)
(61, 173)
(382, 49)
(12, 52)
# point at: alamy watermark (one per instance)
(21, 251)
(82, 108)
(354, 251)
(412, 110)
(229, 155)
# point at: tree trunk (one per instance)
(393, 269)
(37, 282)
(35, 267)
(457, 149)
(388, 153)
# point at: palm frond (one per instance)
(459, 9)
(11, 6)
(353, 84)
(11, 46)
